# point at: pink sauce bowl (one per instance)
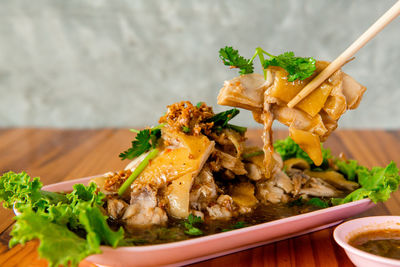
(344, 232)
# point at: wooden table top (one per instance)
(57, 155)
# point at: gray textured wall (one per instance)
(94, 63)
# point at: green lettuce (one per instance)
(69, 227)
(287, 148)
(58, 244)
(19, 189)
(376, 184)
(350, 168)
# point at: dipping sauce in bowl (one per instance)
(371, 241)
(385, 243)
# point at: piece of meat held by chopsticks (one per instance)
(310, 122)
(307, 96)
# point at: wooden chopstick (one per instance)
(381, 23)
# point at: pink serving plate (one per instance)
(207, 247)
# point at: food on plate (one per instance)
(312, 120)
(385, 243)
(194, 174)
(190, 176)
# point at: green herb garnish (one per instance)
(185, 129)
(298, 68)
(297, 202)
(190, 223)
(221, 120)
(235, 226)
(317, 202)
(236, 128)
(198, 105)
(144, 141)
(231, 58)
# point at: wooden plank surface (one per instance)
(58, 155)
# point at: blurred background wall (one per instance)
(97, 63)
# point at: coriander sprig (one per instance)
(298, 68)
(144, 141)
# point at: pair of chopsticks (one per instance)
(381, 23)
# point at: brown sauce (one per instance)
(385, 243)
(175, 230)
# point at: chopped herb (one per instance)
(298, 68)
(186, 129)
(317, 202)
(198, 105)
(237, 225)
(231, 58)
(189, 225)
(297, 202)
(144, 141)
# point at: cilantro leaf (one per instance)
(189, 225)
(144, 141)
(287, 148)
(298, 67)
(231, 58)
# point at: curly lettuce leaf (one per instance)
(376, 184)
(287, 148)
(60, 222)
(58, 244)
(350, 168)
(20, 189)
(95, 224)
